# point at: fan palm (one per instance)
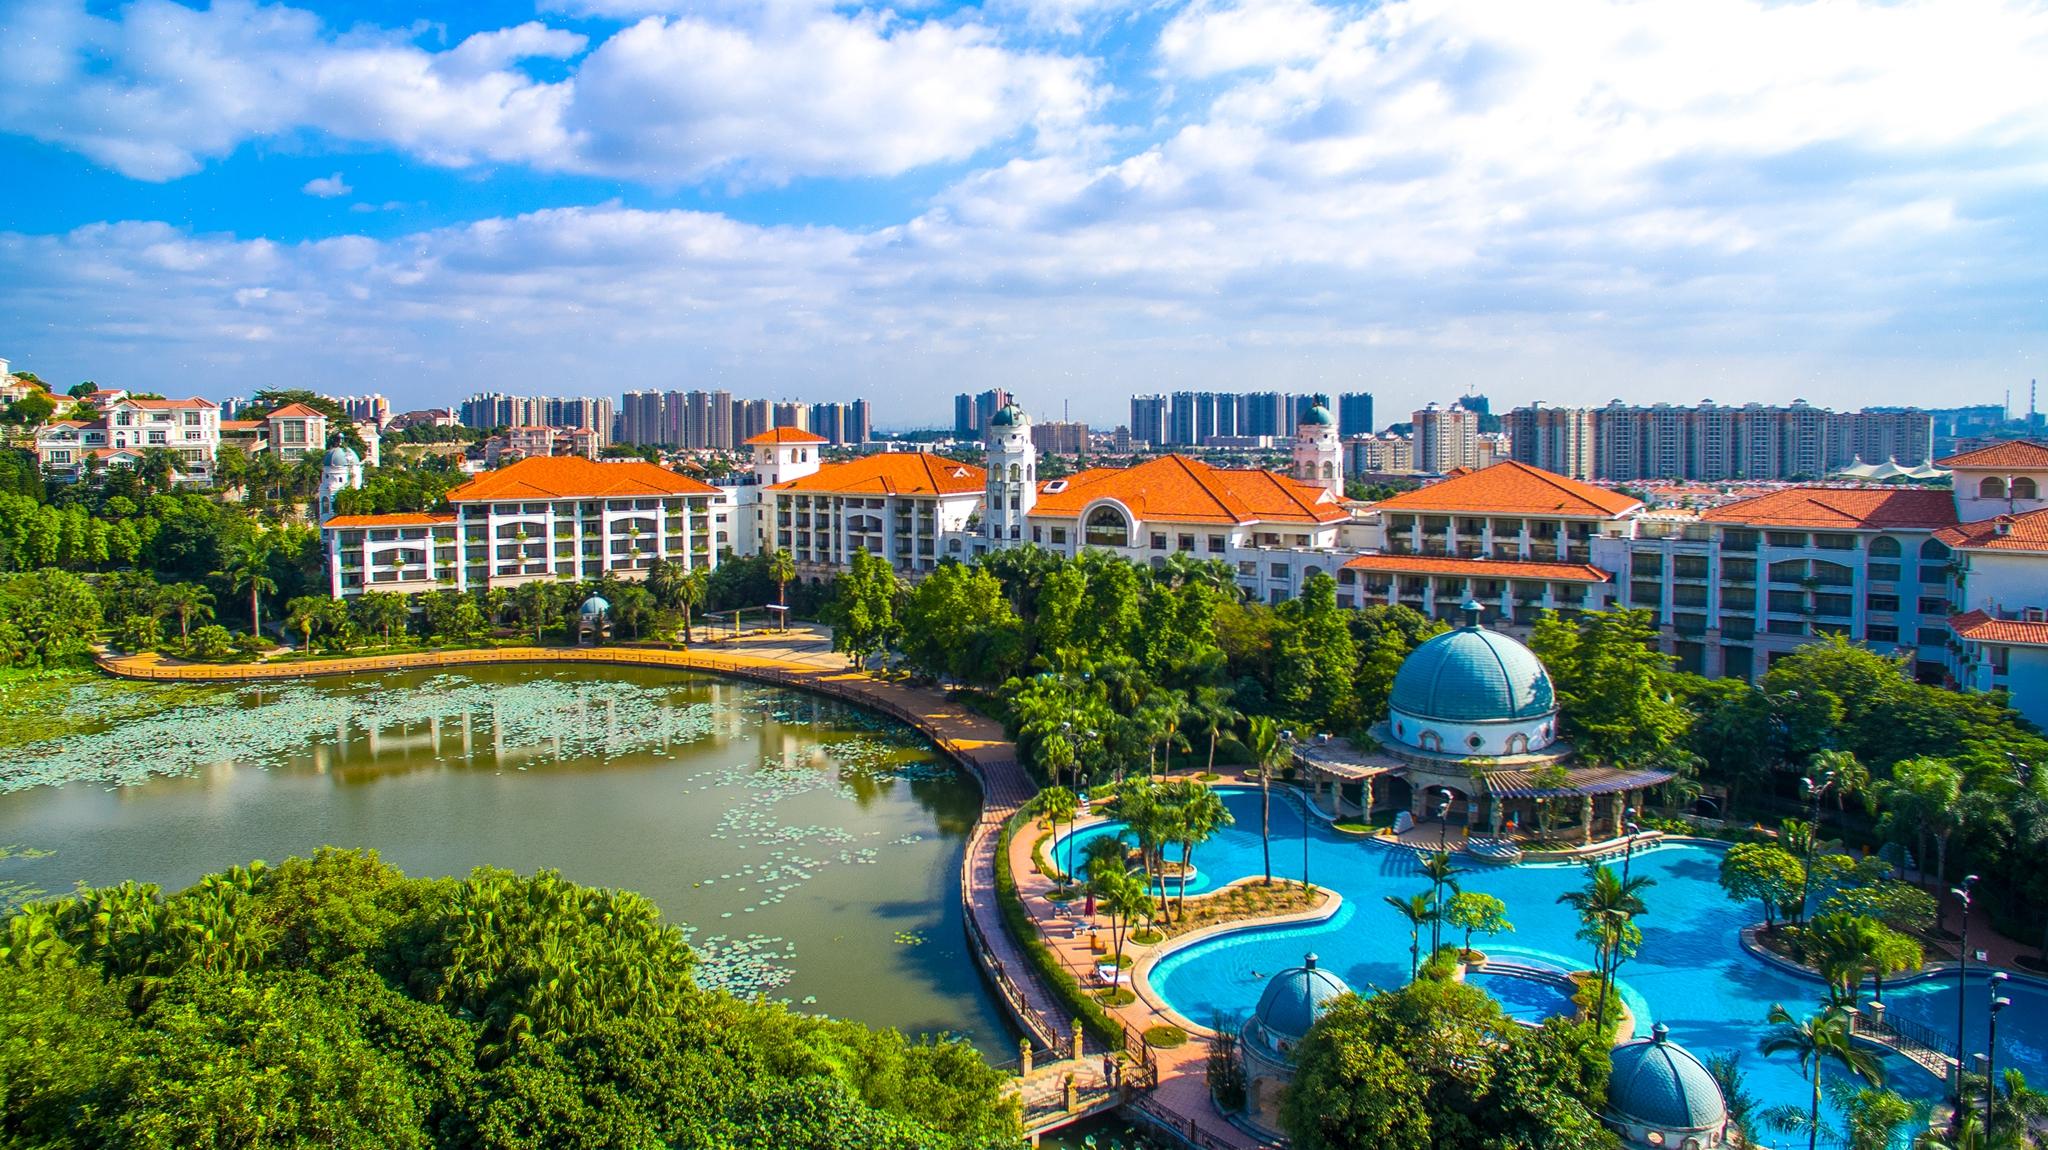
(1213, 715)
(188, 601)
(1815, 1041)
(1441, 874)
(1202, 814)
(248, 569)
(1607, 906)
(1059, 805)
(1263, 739)
(782, 569)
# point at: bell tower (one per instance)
(1318, 455)
(1012, 475)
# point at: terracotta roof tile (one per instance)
(2024, 532)
(574, 477)
(171, 404)
(392, 519)
(1177, 489)
(1980, 627)
(785, 435)
(1512, 488)
(1842, 508)
(240, 424)
(1480, 568)
(296, 411)
(2017, 453)
(891, 473)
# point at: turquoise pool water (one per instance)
(1692, 974)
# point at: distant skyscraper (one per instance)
(1261, 413)
(828, 420)
(1354, 413)
(1556, 439)
(1446, 438)
(791, 413)
(1710, 442)
(965, 419)
(858, 428)
(1060, 438)
(1148, 419)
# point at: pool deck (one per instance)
(803, 658)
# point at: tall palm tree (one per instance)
(1816, 1041)
(1103, 855)
(1123, 898)
(1844, 947)
(1263, 740)
(188, 601)
(1608, 906)
(1058, 805)
(1202, 814)
(1417, 909)
(248, 569)
(1213, 715)
(782, 569)
(1441, 874)
(304, 615)
(690, 591)
(535, 603)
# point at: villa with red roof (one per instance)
(128, 427)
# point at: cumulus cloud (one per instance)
(158, 89)
(327, 187)
(1208, 38)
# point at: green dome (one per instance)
(1659, 1084)
(1318, 416)
(1473, 675)
(1009, 416)
(1295, 999)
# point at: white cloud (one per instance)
(327, 187)
(673, 100)
(1208, 37)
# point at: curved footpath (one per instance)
(805, 661)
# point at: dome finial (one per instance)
(1659, 1033)
(1309, 960)
(1473, 612)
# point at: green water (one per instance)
(812, 849)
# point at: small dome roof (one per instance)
(1295, 998)
(1010, 416)
(1472, 674)
(1318, 416)
(595, 605)
(341, 455)
(1658, 1083)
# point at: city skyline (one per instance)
(1729, 200)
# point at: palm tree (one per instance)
(1843, 948)
(782, 569)
(690, 591)
(663, 575)
(1103, 855)
(1202, 814)
(1213, 715)
(535, 603)
(1417, 909)
(1814, 1041)
(1896, 954)
(1263, 740)
(382, 612)
(248, 569)
(1607, 907)
(1438, 869)
(188, 601)
(1058, 805)
(304, 614)
(1123, 898)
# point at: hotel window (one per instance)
(1059, 534)
(1785, 538)
(1787, 627)
(1881, 602)
(1880, 633)
(1884, 572)
(1932, 636)
(1185, 543)
(1159, 541)
(1933, 605)
(1279, 570)
(1217, 544)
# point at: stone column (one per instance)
(1073, 1096)
(1024, 1057)
(1077, 1040)
(1586, 815)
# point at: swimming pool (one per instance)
(1692, 974)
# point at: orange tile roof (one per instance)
(1980, 627)
(1511, 488)
(240, 424)
(891, 473)
(2014, 453)
(296, 411)
(574, 477)
(1480, 568)
(1843, 508)
(785, 435)
(1176, 489)
(392, 519)
(170, 404)
(2024, 532)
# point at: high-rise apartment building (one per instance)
(1711, 442)
(1148, 420)
(1262, 413)
(373, 408)
(971, 413)
(1060, 437)
(1556, 439)
(841, 423)
(1446, 438)
(964, 416)
(1354, 414)
(704, 420)
(792, 413)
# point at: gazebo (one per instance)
(1471, 739)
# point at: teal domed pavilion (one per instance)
(1660, 1095)
(1293, 1000)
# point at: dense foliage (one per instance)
(1438, 1066)
(333, 1001)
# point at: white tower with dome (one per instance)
(341, 470)
(1012, 475)
(1318, 456)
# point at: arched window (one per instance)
(1884, 547)
(1016, 473)
(1992, 488)
(1518, 744)
(1933, 549)
(1430, 741)
(2025, 488)
(1107, 527)
(1328, 471)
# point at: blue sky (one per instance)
(1076, 199)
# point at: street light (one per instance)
(1991, 1060)
(1962, 894)
(1287, 737)
(1443, 820)
(1630, 830)
(1815, 790)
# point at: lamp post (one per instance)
(1443, 820)
(1991, 1059)
(1628, 843)
(1287, 737)
(1962, 894)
